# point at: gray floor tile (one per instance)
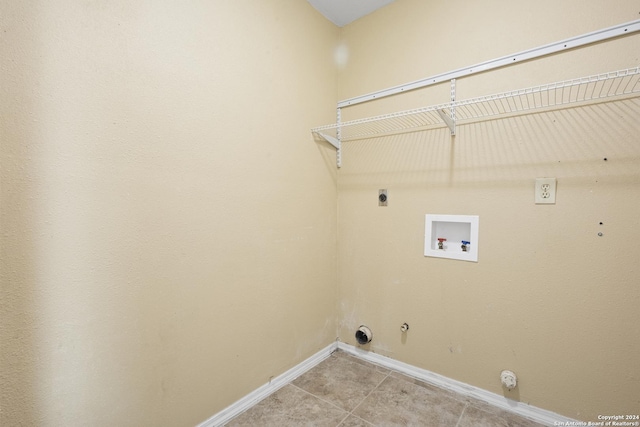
(342, 354)
(401, 403)
(341, 381)
(476, 417)
(431, 388)
(353, 421)
(290, 407)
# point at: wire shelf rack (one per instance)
(581, 91)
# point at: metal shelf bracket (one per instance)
(331, 140)
(450, 119)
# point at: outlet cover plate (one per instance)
(545, 191)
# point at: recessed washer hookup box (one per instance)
(451, 236)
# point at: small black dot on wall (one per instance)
(600, 222)
(605, 159)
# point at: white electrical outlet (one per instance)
(545, 192)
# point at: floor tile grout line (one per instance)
(319, 398)
(349, 413)
(343, 420)
(462, 413)
(373, 365)
(352, 415)
(369, 394)
(361, 419)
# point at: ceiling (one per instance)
(343, 12)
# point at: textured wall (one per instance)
(168, 224)
(549, 298)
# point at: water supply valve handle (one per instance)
(464, 242)
(441, 239)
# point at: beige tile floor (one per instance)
(346, 391)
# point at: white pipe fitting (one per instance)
(508, 379)
(363, 335)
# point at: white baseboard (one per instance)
(533, 413)
(272, 386)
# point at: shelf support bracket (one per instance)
(335, 141)
(450, 119)
(445, 118)
(331, 140)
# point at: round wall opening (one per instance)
(363, 335)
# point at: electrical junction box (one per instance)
(451, 236)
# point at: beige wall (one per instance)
(168, 226)
(548, 299)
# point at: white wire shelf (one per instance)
(584, 90)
